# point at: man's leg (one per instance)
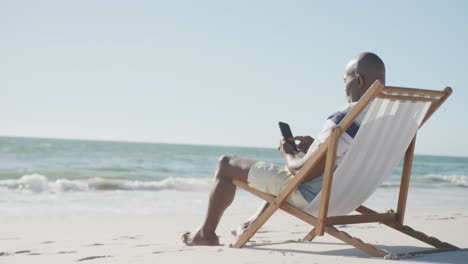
(221, 196)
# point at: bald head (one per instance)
(360, 74)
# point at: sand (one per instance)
(155, 238)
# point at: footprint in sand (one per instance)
(23, 251)
(128, 237)
(18, 252)
(178, 250)
(93, 257)
(143, 245)
(94, 245)
(441, 218)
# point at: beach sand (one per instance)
(155, 238)
(118, 202)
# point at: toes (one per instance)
(185, 237)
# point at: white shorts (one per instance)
(273, 179)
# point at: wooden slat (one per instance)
(252, 229)
(404, 90)
(365, 210)
(255, 226)
(356, 242)
(433, 241)
(311, 235)
(328, 179)
(299, 214)
(359, 219)
(447, 92)
(375, 89)
(405, 181)
(406, 98)
(302, 173)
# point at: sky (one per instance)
(219, 72)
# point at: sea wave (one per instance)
(453, 180)
(38, 183)
(389, 184)
(432, 181)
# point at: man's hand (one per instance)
(286, 148)
(304, 144)
(295, 162)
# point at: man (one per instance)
(360, 73)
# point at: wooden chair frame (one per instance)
(325, 224)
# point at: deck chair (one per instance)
(387, 133)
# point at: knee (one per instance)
(224, 161)
(224, 164)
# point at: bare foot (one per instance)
(240, 229)
(198, 238)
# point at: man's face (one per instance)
(351, 82)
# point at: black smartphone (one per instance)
(286, 132)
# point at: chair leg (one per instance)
(311, 235)
(356, 242)
(433, 241)
(253, 228)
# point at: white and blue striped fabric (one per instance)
(311, 188)
(377, 148)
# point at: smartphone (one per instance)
(286, 132)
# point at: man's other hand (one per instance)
(304, 143)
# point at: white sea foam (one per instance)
(455, 180)
(39, 183)
(433, 180)
(390, 184)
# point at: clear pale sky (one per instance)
(219, 72)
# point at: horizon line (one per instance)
(179, 143)
(134, 141)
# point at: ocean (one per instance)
(72, 176)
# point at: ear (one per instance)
(360, 80)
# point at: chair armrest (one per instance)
(302, 173)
